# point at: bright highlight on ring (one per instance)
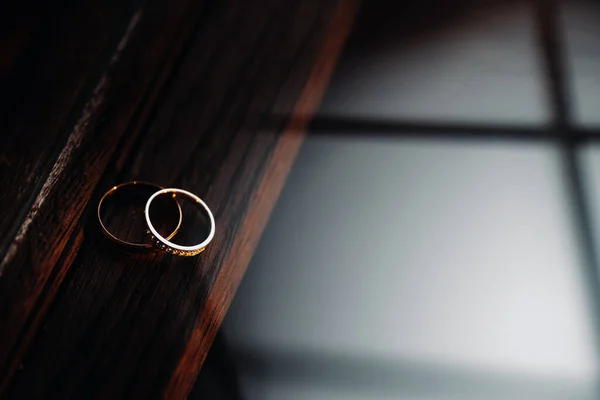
(164, 243)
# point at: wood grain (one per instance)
(140, 325)
(134, 73)
(52, 62)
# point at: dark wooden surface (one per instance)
(180, 93)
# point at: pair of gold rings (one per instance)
(156, 240)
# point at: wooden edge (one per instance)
(261, 204)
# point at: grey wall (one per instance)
(424, 269)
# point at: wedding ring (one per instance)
(136, 246)
(164, 243)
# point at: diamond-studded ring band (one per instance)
(171, 247)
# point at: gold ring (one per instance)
(164, 243)
(136, 246)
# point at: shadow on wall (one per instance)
(443, 61)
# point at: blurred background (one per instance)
(438, 236)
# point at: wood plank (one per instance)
(137, 66)
(140, 326)
(50, 63)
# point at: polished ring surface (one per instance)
(137, 246)
(164, 243)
